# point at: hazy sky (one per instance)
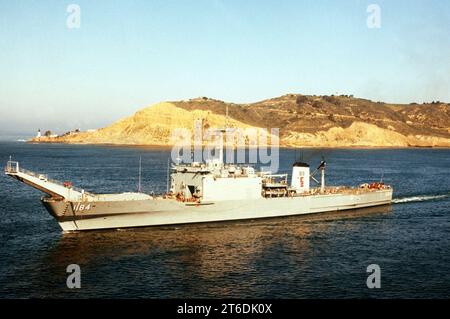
(130, 54)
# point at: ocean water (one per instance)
(313, 256)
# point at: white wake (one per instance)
(418, 198)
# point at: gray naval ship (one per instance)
(202, 192)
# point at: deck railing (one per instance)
(13, 167)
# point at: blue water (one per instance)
(315, 256)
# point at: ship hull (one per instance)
(74, 216)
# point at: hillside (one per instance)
(329, 121)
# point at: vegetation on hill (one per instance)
(303, 120)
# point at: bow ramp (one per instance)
(43, 183)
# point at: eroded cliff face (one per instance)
(316, 121)
(360, 134)
(152, 125)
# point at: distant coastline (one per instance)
(164, 147)
(303, 121)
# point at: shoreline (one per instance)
(159, 146)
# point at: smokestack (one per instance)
(300, 177)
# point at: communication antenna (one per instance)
(140, 172)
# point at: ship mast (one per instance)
(223, 130)
(221, 146)
(168, 175)
(140, 169)
(322, 176)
